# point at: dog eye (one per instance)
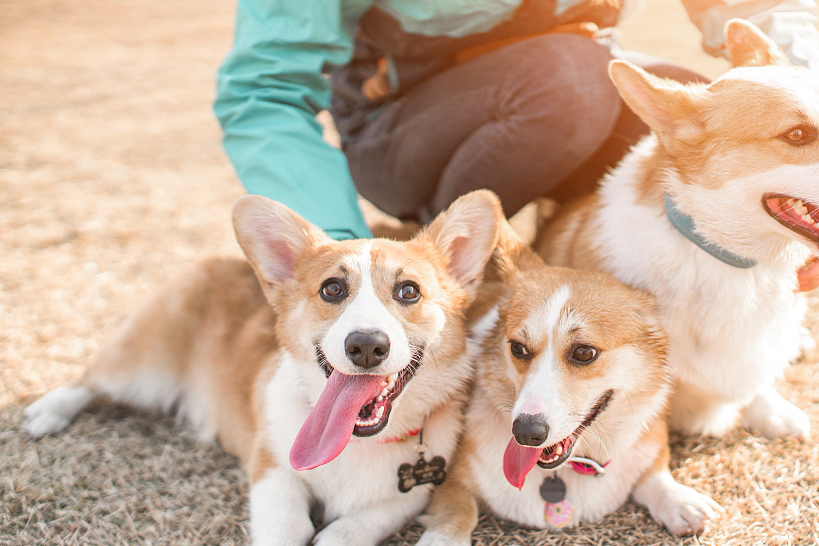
(333, 290)
(407, 292)
(519, 350)
(583, 354)
(798, 136)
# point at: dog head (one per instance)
(584, 358)
(740, 155)
(369, 320)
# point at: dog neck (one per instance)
(685, 225)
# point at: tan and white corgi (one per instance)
(567, 416)
(320, 364)
(714, 213)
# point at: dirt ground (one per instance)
(113, 178)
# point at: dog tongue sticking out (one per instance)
(518, 460)
(327, 430)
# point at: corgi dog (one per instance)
(568, 413)
(336, 371)
(714, 213)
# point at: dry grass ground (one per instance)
(113, 178)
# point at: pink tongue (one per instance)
(518, 461)
(328, 428)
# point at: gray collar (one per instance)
(685, 225)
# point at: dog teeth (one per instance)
(379, 413)
(385, 392)
(558, 450)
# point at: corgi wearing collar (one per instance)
(325, 366)
(568, 414)
(714, 213)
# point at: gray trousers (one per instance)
(536, 118)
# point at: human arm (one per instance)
(790, 23)
(269, 89)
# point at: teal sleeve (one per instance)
(269, 89)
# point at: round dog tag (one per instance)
(559, 514)
(553, 489)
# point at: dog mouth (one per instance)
(795, 214)
(375, 413)
(349, 405)
(519, 460)
(558, 453)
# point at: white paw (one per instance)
(771, 415)
(55, 411)
(684, 511)
(41, 423)
(434, 538)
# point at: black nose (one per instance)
(530, 430)
(367, 348)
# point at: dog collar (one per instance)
(401, 437)
(685, 225)
(586, 466)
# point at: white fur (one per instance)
(681, 509)
(280, 509)
(359, 511)
(733, 330)
(366, 312)
(55, 411)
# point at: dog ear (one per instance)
(748, 46)
(669, 108)
(512, 255)
(272, 236)
(466, 233)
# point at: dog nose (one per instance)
(530, 430)
(367, 348)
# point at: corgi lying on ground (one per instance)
(567, 416)
(370, 334)
(714, 213)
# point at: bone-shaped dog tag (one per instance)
(421, 472)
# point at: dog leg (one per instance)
(55, 411)
(452, 514)
(371, 525)
(280, 510)
(679, 508)
(694, 411)
(771, 415)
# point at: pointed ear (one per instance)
(748, 46)
(669, 108)
(272, 236)
(512, 255)
(466, 234)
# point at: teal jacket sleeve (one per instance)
(269, 89)
(789, 23)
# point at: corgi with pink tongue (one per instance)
(336, 371)
(567, 417)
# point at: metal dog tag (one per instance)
(421, 472)
(553, 489)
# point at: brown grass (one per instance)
(112, 179)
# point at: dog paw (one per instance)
(684, 511)
(55, 411)
(41, 423)
(772, 416)
(434, 538)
